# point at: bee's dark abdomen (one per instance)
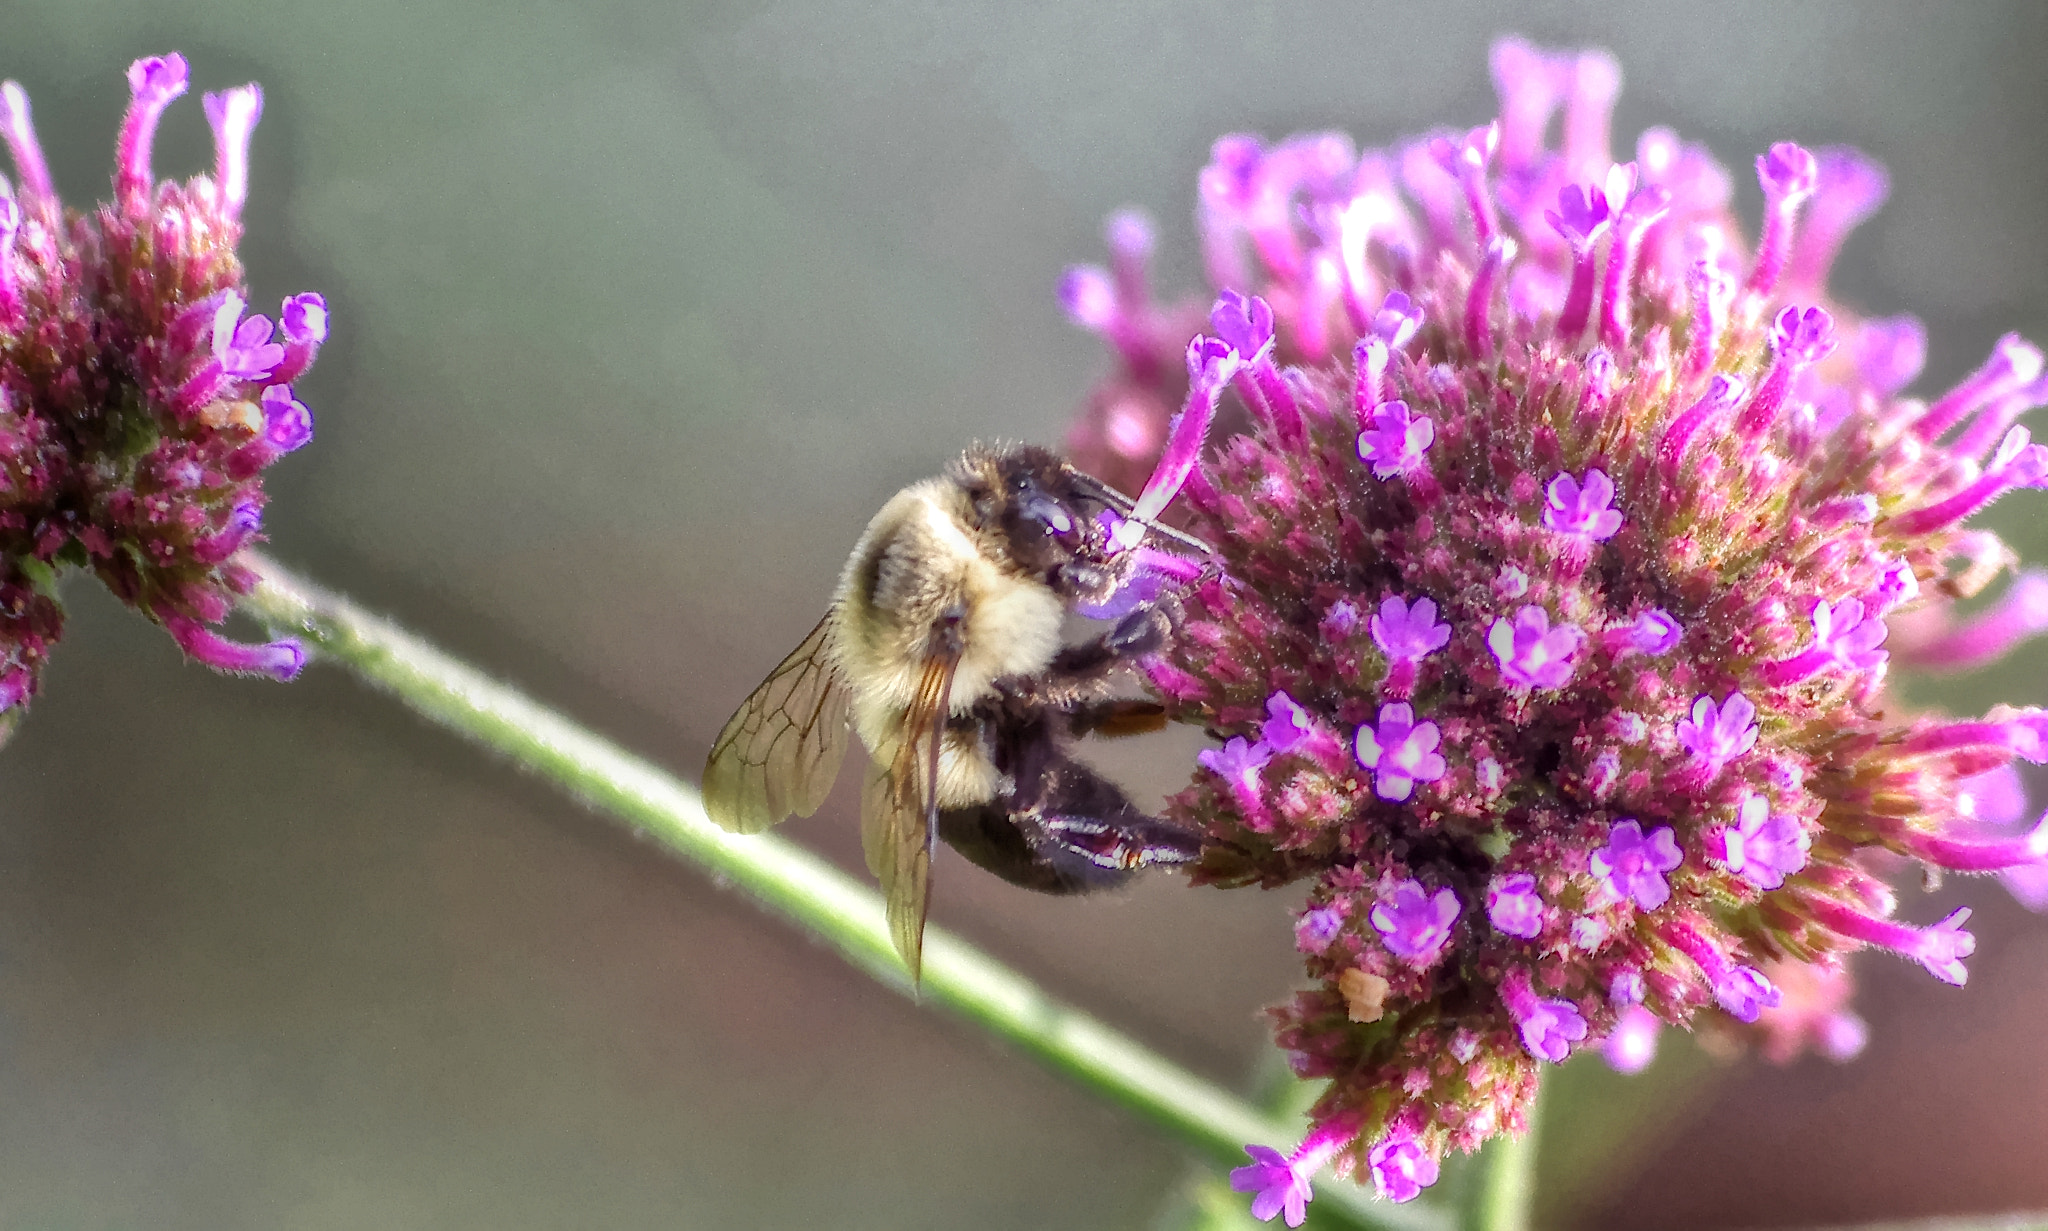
(1061, 827)
(990, 838)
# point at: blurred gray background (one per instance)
(640, 309)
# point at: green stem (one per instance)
(842, 912)
(1504, 1189)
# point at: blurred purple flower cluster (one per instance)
(1562, 535)
(139, 401)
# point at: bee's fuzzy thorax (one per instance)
(922, 556)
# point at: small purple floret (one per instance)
(1571, 507)
(1849, 635)
(1237, 762)
(1316, 928)
(1514, 907)
(1898, 586)
(287, 424)
(1340, 622)
(243, 521)
(2017, 462)
(1764, 848)
(1400, 751)
(1788, 170)
(1408, 632)
(1656, 632)
(1745, 993)
(1401, 1168)
(1803, 336)
(1581, 215)
(153, 82)
(1633, 865)
(1397, 320)
(1244, 323)
(1717, 734)
(1211, 362)
(303, 321)
(1414, 923)
(1287, 725)
(1550, 1027)
(244, 350)
(1276, 1186)
(1942, 948)
(1395, 442)
(158, 79)
(304, 318)
(1531, 653)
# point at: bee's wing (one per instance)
(897, 854)
(899, 822)
(1117, 718)
(779, 753)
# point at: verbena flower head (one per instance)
(141, 397)
(1590, 520)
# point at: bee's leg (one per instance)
(1024, 747)
(1060, 827)
(1115, 718)
(1084, 672)
(1138, 634)
(1073, 816)
(1088, 817)
(991, 837)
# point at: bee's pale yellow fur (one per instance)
(916, 560)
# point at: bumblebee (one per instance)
(944, 649)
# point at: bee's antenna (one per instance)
(1103, 492)
(1124, 505)
(1181, 537)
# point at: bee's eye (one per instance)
(1049, 513)
(1020, 482)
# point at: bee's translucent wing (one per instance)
(1115, 719)
(877, 823)
(900, 812)
(779, 753)
(892, 835)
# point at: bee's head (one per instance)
(1033, 503)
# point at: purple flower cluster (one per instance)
(1563, 543)
(140, 400)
